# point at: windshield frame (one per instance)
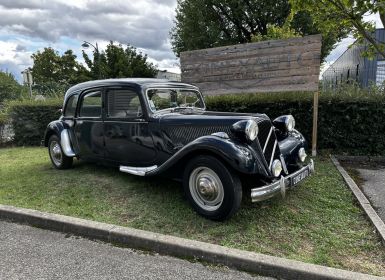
(172, 108)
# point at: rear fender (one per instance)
(62, 130)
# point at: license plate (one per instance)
(299, 177)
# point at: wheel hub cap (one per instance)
(206, 188)
(56, 153)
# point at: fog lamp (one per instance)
(302, 154)
(276, 168)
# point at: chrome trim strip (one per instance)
(139, 171)
(267, 139)
(65, 143)
(284, 164)
(280, 186)
(272, 155)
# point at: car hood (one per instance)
(205, 118)
(178, 129)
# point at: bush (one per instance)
(30, 118)
(347, 123)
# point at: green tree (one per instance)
(332, 14)
(208, 23)
(118, 62)
(9, 87)
(50, 68)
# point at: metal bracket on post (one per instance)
(315, 124)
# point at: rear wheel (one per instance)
(213, 190)
(58, 158)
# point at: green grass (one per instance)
(318, 222)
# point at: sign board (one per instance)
(269, 66)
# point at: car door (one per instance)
(88, 125)
(128, 140)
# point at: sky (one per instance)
(28, 26)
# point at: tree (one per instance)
(49, 67)
(208, 23)
(332, 14)
(9, 87)
(117, 62)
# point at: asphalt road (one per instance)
(374, 188)
(32, 253)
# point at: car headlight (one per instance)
(285, 123)
(251, 130)
(276, 168)
(245, 130)
(302, 154)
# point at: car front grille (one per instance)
(268, 141)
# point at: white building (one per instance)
(164, 74)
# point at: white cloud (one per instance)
(64, 24)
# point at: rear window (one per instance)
(91, 105)
(70, 107)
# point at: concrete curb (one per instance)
(168, 245)
(358, 159)
(363, 201)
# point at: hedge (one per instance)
(29, 119)
(353, 124)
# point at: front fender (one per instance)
(238, 155)
(62, 130)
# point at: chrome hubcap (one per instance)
(56, 153)
(206, 188)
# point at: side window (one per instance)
(123, 103)
(70, 107)
(91, 105)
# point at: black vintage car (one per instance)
(149, 127)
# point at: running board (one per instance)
(139, 171)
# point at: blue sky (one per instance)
(28, 26)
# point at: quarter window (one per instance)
(91, 105)
(71, 106)
(123, 103)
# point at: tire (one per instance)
(58, 158)
(214, 191)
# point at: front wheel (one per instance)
(58, 158)
(214, 191)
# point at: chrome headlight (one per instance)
(302, 154)
(251, 130)
(247, 130)
(285, 123)
(276, 168)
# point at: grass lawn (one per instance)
(318, 222)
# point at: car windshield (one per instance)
(174, 99)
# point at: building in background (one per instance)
(351, 66)
(164, 74)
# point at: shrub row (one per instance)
(353, 124)
(29, 119)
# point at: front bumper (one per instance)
(280, 186)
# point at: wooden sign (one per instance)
(269, 66)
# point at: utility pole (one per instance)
(27, 79)
(86, 45)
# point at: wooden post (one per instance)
(315, 124)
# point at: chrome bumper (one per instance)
(280, 186)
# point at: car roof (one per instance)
(136, 82)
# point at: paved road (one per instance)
(32, 253)
(374, 188)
